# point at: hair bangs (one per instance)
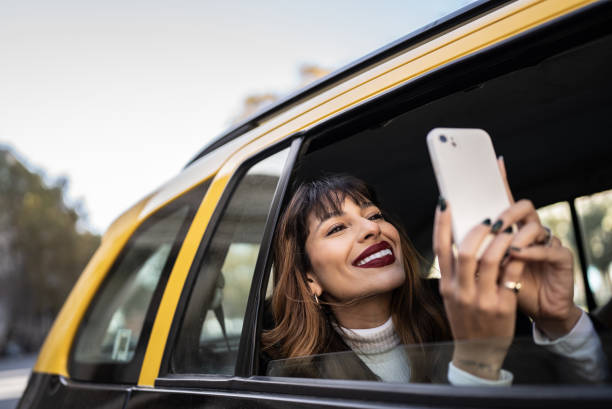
(326, 197)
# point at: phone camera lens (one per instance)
(443, 138)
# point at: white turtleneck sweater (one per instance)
(381, 350)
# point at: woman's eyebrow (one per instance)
(337, 213)
(327, 216)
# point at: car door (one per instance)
(211, 339)
(109, 345)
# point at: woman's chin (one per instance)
(385, 279)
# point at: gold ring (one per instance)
(514, 286)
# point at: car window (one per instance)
(209, 336)
(595, 218)
(552, 132)
(111, 333)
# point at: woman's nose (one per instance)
(370, 229)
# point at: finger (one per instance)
(502, 169)
(527, 235)
(555, 242)
(442, 244)
(512, 273)
(522, 211)
(533, 233)
(552, 255)
(489, 265)
(513, 270)
(467, 259)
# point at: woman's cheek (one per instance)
(394, 278)
(401, 277)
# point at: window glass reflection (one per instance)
(595, 214)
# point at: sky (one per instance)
(118, 95)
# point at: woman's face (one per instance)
(354, 254)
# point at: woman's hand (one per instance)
(548, 287)
(548, 279)
(480, 310)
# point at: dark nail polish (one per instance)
(442, 204)
(508, 230)
(496, 226)
(515, 248)
(486, 222)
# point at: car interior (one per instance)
(550, 121)
(548, 118)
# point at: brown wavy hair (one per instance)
(303, 327)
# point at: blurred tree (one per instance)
(310, 73)
(41, 251)
(253, 103)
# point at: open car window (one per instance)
(550, 121)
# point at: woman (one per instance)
(346, 278)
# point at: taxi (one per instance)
(170, 308)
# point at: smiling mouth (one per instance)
(377, 255)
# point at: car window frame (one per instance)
(293, 143)
(128, 372)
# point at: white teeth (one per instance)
(382, 253)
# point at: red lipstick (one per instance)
(377, 255)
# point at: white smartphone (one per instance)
(468, 176)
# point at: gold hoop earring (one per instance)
(316, 299)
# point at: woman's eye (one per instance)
(335, 229)
(376, 216)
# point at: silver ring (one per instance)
(514, 286)
(548, 239)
